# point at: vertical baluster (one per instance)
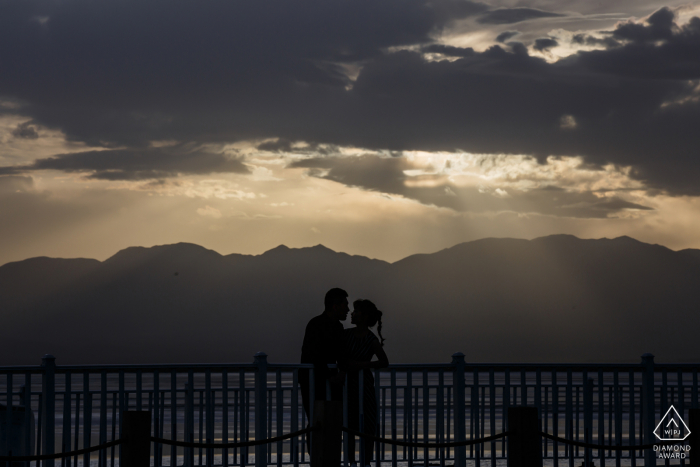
(601, 417)
(156, 418)
(139, 391)
(482, 422)
(189, 419)
(201, 426)
(408, 416)
(476, 403)
(243, 416)
(506, 404)
(173, 416)
(247, 422)
(269, 425)
(618, 416)
(555, 418)
(611, 411)
(426, 417)
(545, 419)
(382, 432)
(8, 412)
(28, 413)
(588, 416)
(279, 413)
(394, 431)
(261, 408)
(448, 420)
(102, 456)
(209, 415)
(237, 434)
(538, 399)
(415, 421)
(568, 424)
(67, 408)
(380, 407)
(294, 418)
(87, 416)
(648, 408)
(631, 418)
(114, 427)
(440, 415)
(49, 392)
(76, 437)
(224, 416)
(492, 415)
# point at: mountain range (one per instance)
(552, 299)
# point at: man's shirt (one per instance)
(323, 345)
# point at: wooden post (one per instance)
(326, 441)
(694, 439)
(525, 441)
(136, 450)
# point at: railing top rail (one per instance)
(468, 366)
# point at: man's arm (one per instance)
(313, 350)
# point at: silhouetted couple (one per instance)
(327, 342)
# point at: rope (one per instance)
(426, 445)
(604, 447)
(46, 457)
(185, 444)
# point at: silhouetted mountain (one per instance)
(556, 298)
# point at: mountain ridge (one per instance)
(556, 298)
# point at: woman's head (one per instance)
(366, 312)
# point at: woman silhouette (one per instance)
(360, 346)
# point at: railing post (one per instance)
(261, 408)
(648, 405)
(136, 449)
(48, 389)
(694, 438)
(326, 440)
(460, 412)
(524, 440)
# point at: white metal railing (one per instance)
(81, 406)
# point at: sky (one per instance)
(380, 128)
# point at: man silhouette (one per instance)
(323, 346)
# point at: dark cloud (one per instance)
(450, 51)
(506, 35)
(544, 44)
(514, 15)
(121, 74)
(660, 26)
(25, 131)
(139, 164)
(585, 39)
(387, 175)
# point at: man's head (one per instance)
(336, 304)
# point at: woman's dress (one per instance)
(360, 349)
